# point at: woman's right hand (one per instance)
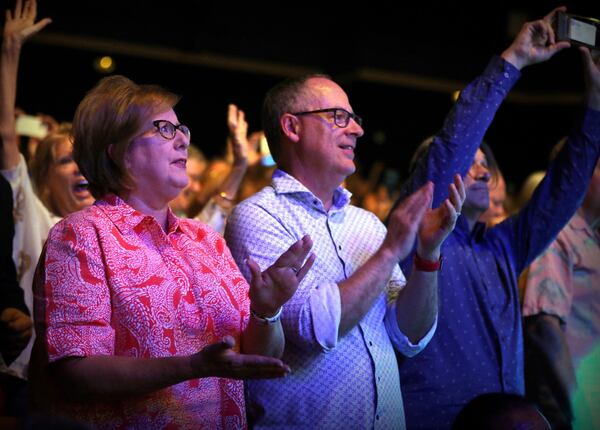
(219, 359)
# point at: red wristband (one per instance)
(426, 265)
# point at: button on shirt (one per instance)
(478, 346)
(114, 283)
(349, 382)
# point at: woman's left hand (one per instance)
(270, 289)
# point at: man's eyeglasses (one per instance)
(479, 169)
(168, 130)
(341, 117)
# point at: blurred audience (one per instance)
(375, 191)
(221, 188)
(195, 167)
(57, 181)
(32, 219)
(260, 166)
(32, 129)
(532, 181)
(15, 320)
(378, 201)
(216, 186)
(529, 185)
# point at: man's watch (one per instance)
(426, 265)
(267, 320)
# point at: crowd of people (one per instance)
(145, 286)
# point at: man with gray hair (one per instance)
(340, 329)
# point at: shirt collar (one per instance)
(284, 183)
(462, 228)
(127, 219)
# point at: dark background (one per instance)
(399, 64)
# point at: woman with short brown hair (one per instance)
(143, 318)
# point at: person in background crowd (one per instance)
(57, 188)
(195, 167)
(15, 320)
(561, 306)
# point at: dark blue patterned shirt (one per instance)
(478, 346)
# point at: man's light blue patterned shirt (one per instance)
(350, 382)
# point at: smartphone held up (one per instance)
(579, 30)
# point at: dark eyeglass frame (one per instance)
(181, 127)
(347, 115)
(475, 165)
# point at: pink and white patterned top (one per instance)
(113, 283)
(565, 281)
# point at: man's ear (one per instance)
(290, 126)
